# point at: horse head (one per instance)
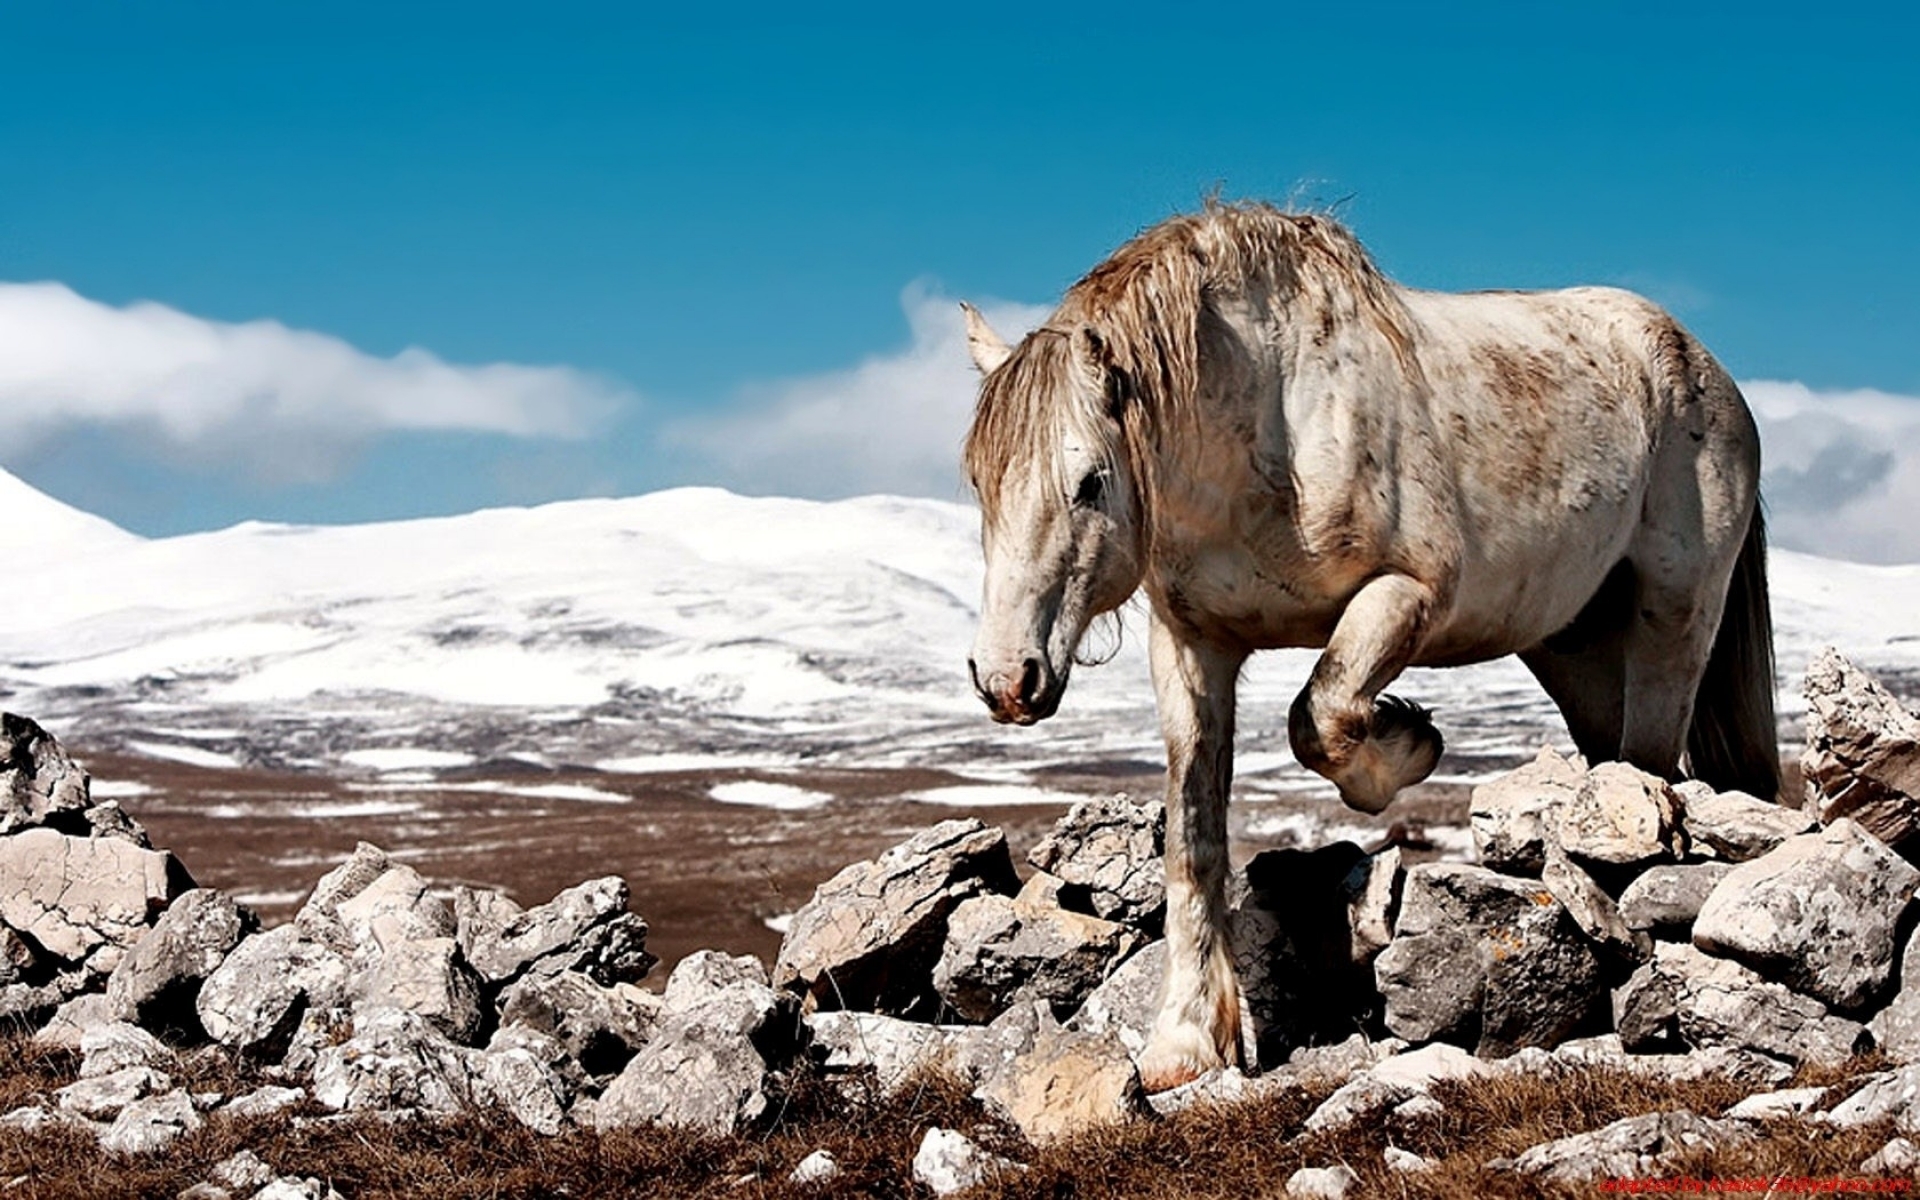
(1060, 511)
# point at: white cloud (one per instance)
(1842, 473)
(280, 401)
(891, 424)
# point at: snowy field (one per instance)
(682, 630)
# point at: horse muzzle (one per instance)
(1019, 695)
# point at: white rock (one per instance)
(1818, 913)
(948, 1162)
(265, 1100)
(1513, 817)
(1323, 1183)
(1769, 1106)
(1897, 1157)
(1406, 1161)
(818, 1167)
(115, 1047)
(1621, 815)
(150, 1125)
(243, 1171)
(105, 1095)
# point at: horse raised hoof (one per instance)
(1402, 748)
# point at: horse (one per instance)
(1240, 415)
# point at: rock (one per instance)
(150, 1125)
(425, 975)
(394, 905)
(1897, 1157)
(600, 1027)
(1323, 1183)
(1593, 911)
(1773, 1106)
(1863, 751)
(396, 1062)
(1666, 898)
(586, 928)
(318, 1028)
(1886, 1096)
(116, 1047)
(27, 1006)
(1734, 825)
(1126, 1003)
(105, 1095)
(1291, 937)
(894, 1050)
(1343, 1060)
(1646, 1008)
(319, 918)
(39, 784)
(254, 1001)
(1392, 1082)
(1372, 891)
(109, 820)
(1621, 815)
(72, 1020)
(1406, 1162)
(1818, 913)
(481, 915)
(31, 1119)
(74, 896)
(1749, 1068)
(870, 936)
(519, 1077)
(1512, 818)
(947, 1162)
(1483, 957)
(1063, 1083)
(1719, 1002)
(1222, 1085)
(1633, 1148)
(1002, 951)
(818, 1167)
(1110, 853)
(158, 981)
(243, 1172)
(264, 1101)
(1896, 1028)
(710, 1066)
(17, 959)
(289, 1187)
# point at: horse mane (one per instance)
(1145, 304)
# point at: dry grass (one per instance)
(1228, 1151)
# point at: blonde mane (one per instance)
(1144, 306)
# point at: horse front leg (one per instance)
(1369, 745)
(1198, 1026)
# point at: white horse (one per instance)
(1240, 414)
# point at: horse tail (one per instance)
(1734, 742)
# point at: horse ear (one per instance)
(982, 342)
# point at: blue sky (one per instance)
(696, 227)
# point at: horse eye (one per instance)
(1093, 490)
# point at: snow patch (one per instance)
(761, 794)
(192, 756)
(406, 758)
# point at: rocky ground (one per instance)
(1634, 981)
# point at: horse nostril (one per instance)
(1029, 680)
(973, 673)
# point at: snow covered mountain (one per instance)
(677, 629)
